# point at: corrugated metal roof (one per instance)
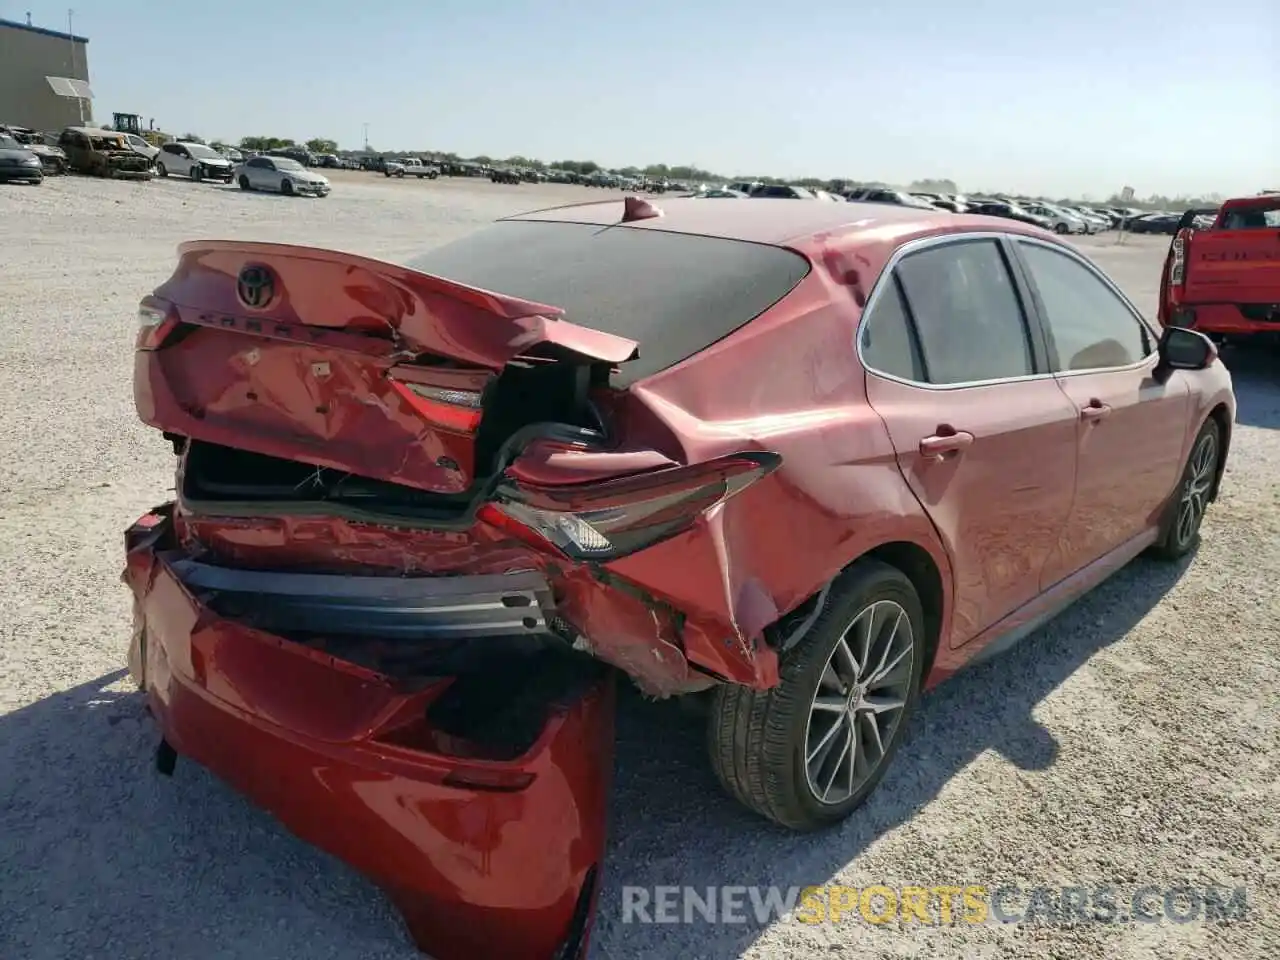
(41, 30)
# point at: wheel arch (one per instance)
(1222, 416)
(919, 566)
(916, 562)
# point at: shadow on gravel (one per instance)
(673, 825)
(1255, 371)
(101, 856)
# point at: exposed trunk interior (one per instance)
(500, 711)
(497, 693)
(525, 393)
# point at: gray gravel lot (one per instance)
(1132, 742)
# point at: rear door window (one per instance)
(674, 294)
(967, 313)
(1088, 324)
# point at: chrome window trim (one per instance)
(886, 278)
(1088, 265)
(925, 243)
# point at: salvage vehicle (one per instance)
(799, 460)
(141, 145)
(195, 160)
(506, 176)
(280, 175)
(53, 160)
(17, 163)
(103, 153)
(1224, 279)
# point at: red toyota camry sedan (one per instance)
(803, 459)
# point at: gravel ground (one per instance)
(1131, 742)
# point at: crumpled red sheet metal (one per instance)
(485, 858)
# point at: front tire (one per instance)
(286, 187)
(244, 183)
(1061, 228)
(160, 169)
(197, 174)
(809, 752)
(1186, 512)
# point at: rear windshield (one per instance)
(1263, 215)
(674, 294)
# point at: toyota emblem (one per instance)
(256, 287)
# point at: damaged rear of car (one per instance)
(415, 520)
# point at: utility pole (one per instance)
(366, 138)
(71, 41)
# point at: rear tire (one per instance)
(1181, 534)
(847, 688)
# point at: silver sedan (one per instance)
(280, 175)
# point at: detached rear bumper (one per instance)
(487, 851)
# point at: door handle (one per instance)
(1095, 411)
(941, 444)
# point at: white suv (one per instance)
(194, 160)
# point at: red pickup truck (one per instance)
(1225, 280)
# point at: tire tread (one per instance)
(750, 731)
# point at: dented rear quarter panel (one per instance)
(838, 494)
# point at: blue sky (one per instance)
(1168, 96)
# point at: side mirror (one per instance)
(1183, 349)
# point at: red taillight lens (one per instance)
(157, 321)
(455, 410)
(612, 519)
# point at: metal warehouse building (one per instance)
(28, 57)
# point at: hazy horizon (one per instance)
(1002, 97)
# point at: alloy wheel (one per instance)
(1195, 491)
(859, 702)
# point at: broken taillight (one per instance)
(608, 520)
(1178, 261)
(157, 320)
(444, 407)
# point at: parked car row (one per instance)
(17, 163)
(1060, 218)
(52, 158)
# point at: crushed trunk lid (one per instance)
(355, 365)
